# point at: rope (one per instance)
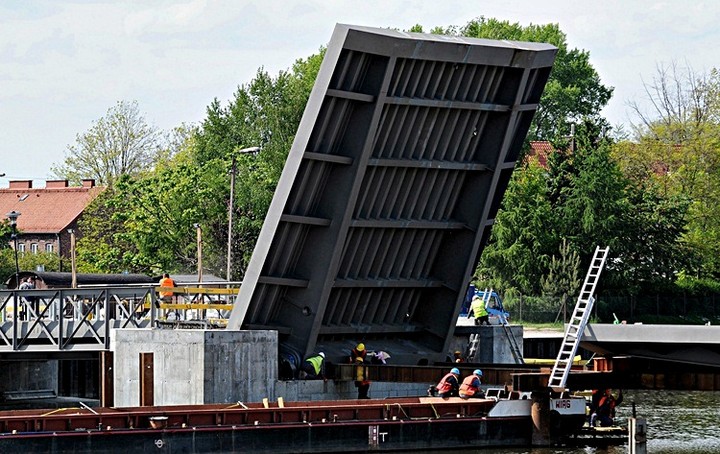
(237, 404)
(59, 410)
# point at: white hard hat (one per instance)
(322, 354)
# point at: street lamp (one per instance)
(233, 169)
(12, 217)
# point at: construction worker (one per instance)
(470, 387)
(478, 309)
(314, 367)
(605, 411)
(449, 384)
(457, 357)
(166, 282)
(358, 352)
(165, 296)
(361, 382)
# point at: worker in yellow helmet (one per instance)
(358, 352)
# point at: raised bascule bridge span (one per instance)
(389, 192)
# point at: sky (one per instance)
(63, 64)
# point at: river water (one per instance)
(678, 422)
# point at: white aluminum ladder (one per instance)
(578, 321)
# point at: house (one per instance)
(47, 213)
(539, 152)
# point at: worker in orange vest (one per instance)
(470, 387)
(449, 385)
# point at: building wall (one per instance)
(195, 366)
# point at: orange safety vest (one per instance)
(445, 385)
(166, 282)
(470, 385)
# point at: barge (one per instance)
(398, 424)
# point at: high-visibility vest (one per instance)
(478, 307)
(445, 385)
(470, 385)
(166, 282)
(316, 362)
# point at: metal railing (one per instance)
(83, 318)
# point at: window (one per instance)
(21, 247)
(49, 247)
(34, 248)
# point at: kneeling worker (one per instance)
(314, 367)
(448, 386)
(471, 386)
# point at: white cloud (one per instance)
(65, 63)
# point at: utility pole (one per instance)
(233, 171)
(198, 229)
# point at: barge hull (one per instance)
(381, 436)
(329, 426)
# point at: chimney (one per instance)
(21, 184)
(56, 184)
(88, 183)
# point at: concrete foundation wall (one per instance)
(240, 365)
(195, 366)
(494, 346)
(299, 390)
(198, 367)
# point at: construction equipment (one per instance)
(576, 327)
(497, 316)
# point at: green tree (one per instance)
(120, 143)
(563, 279)
(520, 245)
(676, 150)
(264, 113)
(145, 222)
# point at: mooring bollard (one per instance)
(540, 414)
(637, 434)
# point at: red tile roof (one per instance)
(46, 210)
(539, 150)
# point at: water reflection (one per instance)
(679, 422)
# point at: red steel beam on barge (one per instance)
(74, 419)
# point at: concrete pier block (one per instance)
(196, 366)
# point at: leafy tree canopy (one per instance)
(120, 143)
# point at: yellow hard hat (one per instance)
(360, 347)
